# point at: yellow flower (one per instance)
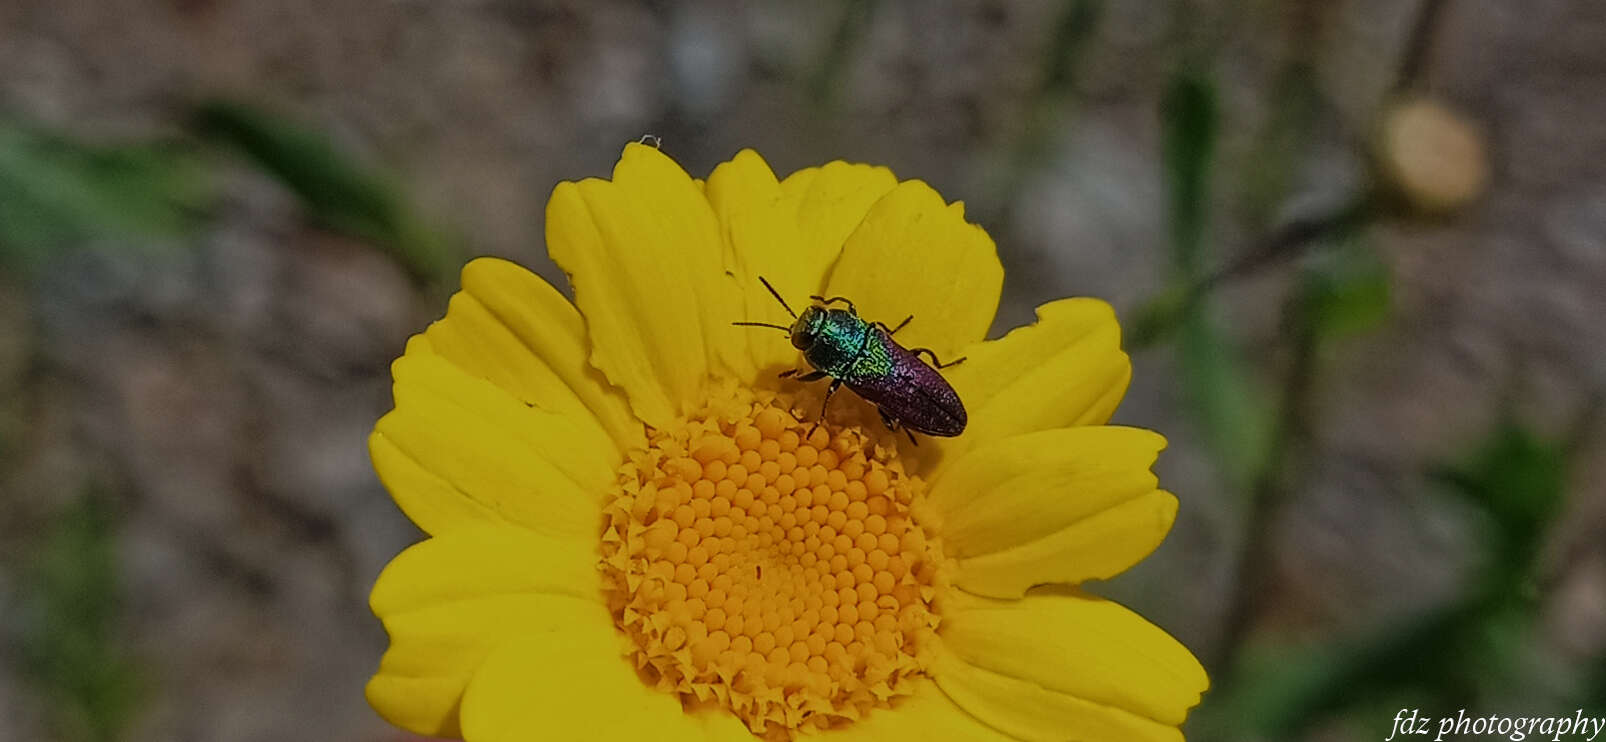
(637, 532)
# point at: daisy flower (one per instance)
(637, 531)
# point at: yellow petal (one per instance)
(429, 501)
(1014, 490)
(551, 329)
(1067, 369)
(762, 238)
(450, 601)
(514, 462)
(424, 705)
(787, 232)
(1079, 646)
(1029, 712)
(926, 716)
(644, 255)
(476, 342)
(1064, 505)
(486, 560)
(916, 255)
(579, 688)
(434, 386)
(435, 651)
(829, 202)
(1098, 547)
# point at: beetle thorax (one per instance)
(832, 338)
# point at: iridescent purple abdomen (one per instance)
(906, 389)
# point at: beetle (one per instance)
(838, 343)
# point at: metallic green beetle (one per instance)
(840, 344)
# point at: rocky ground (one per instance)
(223, 390)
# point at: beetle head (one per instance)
(807, 327)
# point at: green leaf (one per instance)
(825, 83)
(1271, 687)
(1347, 291)
(1519, 478)
(71, 646)
(1277, 148)
(1443, 656)
(1158, 318)
(1236, 422)
(1189, 114)
(1595, 686)
(339, 192)
(1277, 692)
(55, 191)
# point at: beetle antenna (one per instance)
(777, 296)
(782, 328)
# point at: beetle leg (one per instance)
(894, 426)
(935, 361)
(835, 299)
(890, 331)
(810, 376)
(830, 390)
(826, 405)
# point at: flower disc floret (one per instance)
(772, 566)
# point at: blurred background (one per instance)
(1358, 248)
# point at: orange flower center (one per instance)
(772, 570)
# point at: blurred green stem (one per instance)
(1047, 105)
(1161, 316)
(850, 29)
(1286, 447)
(1419, 45)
